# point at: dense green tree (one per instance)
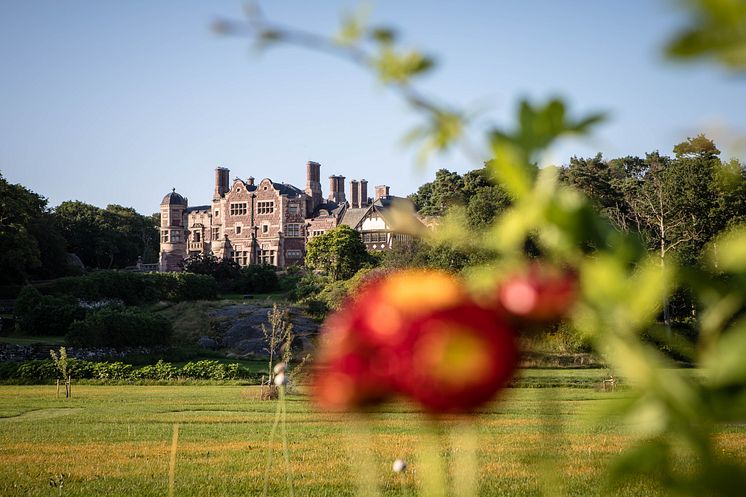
(676, 204)
(107, 238)
(474, 190)
(338, 252)
(30, 243)
(220, 269)
(434, 198)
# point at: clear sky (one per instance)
(118, 102)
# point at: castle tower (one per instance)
(173, 231)
(313, 184)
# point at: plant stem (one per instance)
(172, 465)
(269, 448)
(285, 449)
(465, 443)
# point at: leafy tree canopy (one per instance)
(338, 252)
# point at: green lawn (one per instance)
(22, 340)
(116, 440)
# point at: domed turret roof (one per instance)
(173, 198)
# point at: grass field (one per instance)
(116, 440)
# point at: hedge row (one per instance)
(45, 370)
(119, 327)
(134, 288)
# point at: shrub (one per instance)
(209, 370)
(37, 370)
(257, 278)
(134, 288)
(158, 371)
(45, 370)
(112, 371)
(208, 264)
(130, 288)
(119, 327)
(178, 287)
(37, 314)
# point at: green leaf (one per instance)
(383, 35)
(717, 31)
(511, 168)
(649, 458)
(728, 253)
(724, 361)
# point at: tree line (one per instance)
(36, 240)
(676, 204)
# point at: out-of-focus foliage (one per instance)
(623, 287)
(717, 30)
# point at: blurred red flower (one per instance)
(540, 294)
(416, 332)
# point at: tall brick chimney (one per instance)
(313, 184)
(354, 194)
(337, 188)
(363, 193)
(222, 181)
(381, 191)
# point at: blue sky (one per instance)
(118, 102)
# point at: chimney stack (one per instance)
(313, 184)
(354, 194)
(222, 180)
(363, 193)
(337, 188)
(381, 191)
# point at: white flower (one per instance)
(399, 466)
(280, 367)
(281, 379)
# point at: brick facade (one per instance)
(251, 223)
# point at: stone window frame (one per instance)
(293, 208)
(239, 208)
(265, 228)
(293, 230)
(317, 233)
(216, 233)
(265, 207)
(237, 229)
(175, 236)
(293, 254)
(164, 236)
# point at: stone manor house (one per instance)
(270, 223)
